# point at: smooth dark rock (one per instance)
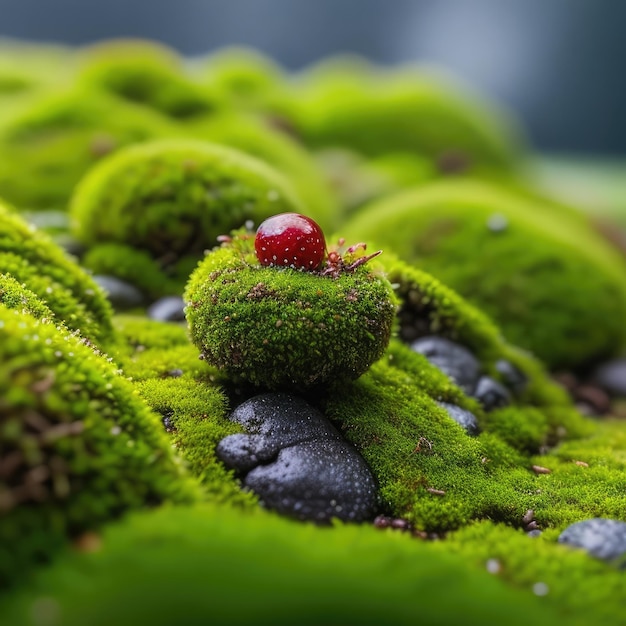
(121, 294)
(297, 462)
(463, 417)
(452, 359)
(602, 538)
(612, 377)
(167, 309)
(513, 378)
(491, 394)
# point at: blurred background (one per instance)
(557, 63)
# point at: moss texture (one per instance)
(283, 328)
(554, 287)
(15, 296)
(175, 197)
(57, 138)
(78, 446)
(35, 260)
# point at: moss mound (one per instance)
(175, 197)
(17, 297)
(285, 328)
(34, 260)
(553, 287)
(57, 138)
(407, 111)
(263, 141)
(78, 447)
(145, 73)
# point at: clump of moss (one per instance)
(553, 286)
(262, 140)
(145, 73)
(78, 446)
(410, 110)
(57, 138)
(279, 327)
(36, 261)
(175, 197)
(356, 574)
(17, 297)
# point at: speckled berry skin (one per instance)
(290, 240)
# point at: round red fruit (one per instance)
(290, 240)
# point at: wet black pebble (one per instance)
(512, 377)
(167, 309)
(602, 538)
(462, 417)
(491, 394)
(121, 294)
(452, 359)
(612, 377)
(298, 464)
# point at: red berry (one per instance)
(290, 240)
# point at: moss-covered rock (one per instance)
(77, 445)
(175, 197)
(282, 328)
(553, 286)
(33, 259)
(57, 138)
(145, 73)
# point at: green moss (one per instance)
(16, 296)
(553, 286)
(57, 138)
(263, 141)
(145, 73)
(215, 564)
(134, 266)
(244, 77)
(285, 328)
(411, 110)
(44, 268)
(175, 197)
(78, 446)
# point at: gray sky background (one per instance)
(558, 63)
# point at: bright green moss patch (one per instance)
(218, 565)
(583, 590)
(262, 141)
(47, 147)
(15, 296)
(78, 446)
(552, 286)
(408, 111)
(278, 327)
(145, 73)
(174, 198)
(36, 261)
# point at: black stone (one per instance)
(297, 462)
(612, 377)
(463, 417)
(167, 309)
(121, 294)
(603, 538)
(513, 378)
(491, 394)
(452, 359)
